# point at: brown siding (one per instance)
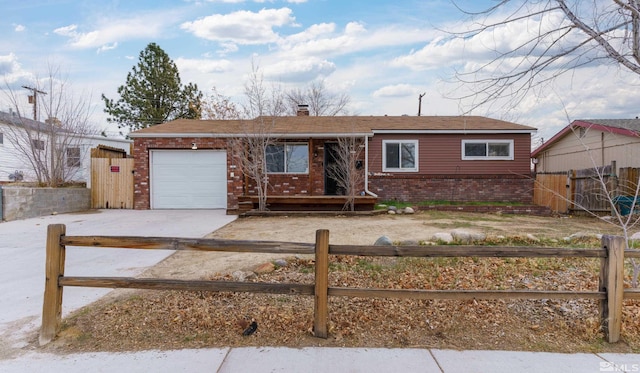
(441, 155)
(443, 175)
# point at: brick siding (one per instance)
(485, 188)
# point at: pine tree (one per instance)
(153, 93)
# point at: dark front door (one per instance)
(330, 184)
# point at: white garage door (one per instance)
(188, 179)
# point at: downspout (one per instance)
(366, 168)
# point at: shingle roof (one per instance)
(324, 126)
(629, 124)
(12, 118)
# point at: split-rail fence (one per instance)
(610, 291)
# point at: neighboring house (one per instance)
(190, 163)
(77, 158)
(587, 143)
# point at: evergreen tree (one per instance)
(153, 93)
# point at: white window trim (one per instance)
(285, 161)
(393, 169)
(510, 157)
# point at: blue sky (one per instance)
(382, 53)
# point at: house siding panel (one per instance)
(570, 152)
(443, 175)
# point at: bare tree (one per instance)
(321, 101)
(251, 147)
(218, 106)
(260, 101)
(347, 170)
(52, 149)
(554, 37)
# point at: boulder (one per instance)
(242, 276)
(383, 241)
(280, 263)
(265, 268)
(442, 237)
(409, 210)
(467, 236)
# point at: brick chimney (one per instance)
(303, 111)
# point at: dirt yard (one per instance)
(134, 320)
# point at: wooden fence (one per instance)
(582, 190)
(112, 183)
(610, 291)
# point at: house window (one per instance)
(487, 150)
(73, 157)
(37, 144)
(288, 158)
(400, 156)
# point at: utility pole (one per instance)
(420, 96)
(33, 99)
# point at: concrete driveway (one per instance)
(22, 248)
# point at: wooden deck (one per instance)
(307, 203)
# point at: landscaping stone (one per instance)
(635, 236)
(265, 268)
(391, 212)
(467, 236)
(393, 208)
(383, 241)
(242, 276)
(532, 237)
(443, 237)
(409, 210)
(280, 263)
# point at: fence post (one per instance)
(321, 310)
(611, 282)
(52, 305)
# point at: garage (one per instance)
(188, 179)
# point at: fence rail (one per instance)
(610, 289)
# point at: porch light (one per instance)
(194, 146)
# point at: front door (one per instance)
(330, 183)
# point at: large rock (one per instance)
(467, 236)
(265, 268)
(442, 237)
(408, 210)
(635, 236)
(383, 241)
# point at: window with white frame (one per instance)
(400, 155)
(487, 150)
(288, 158)
(73, 157)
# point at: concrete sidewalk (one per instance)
(22, 244)
(334, 360)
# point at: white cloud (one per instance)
(396, 90)
(107, 47)
(303, 70)
(202, 65)
(242, 27)
(110, 31)
(19, 28)
(11, 70)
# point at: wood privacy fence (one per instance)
(610, 291)
(580, 190)
(112, 183)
